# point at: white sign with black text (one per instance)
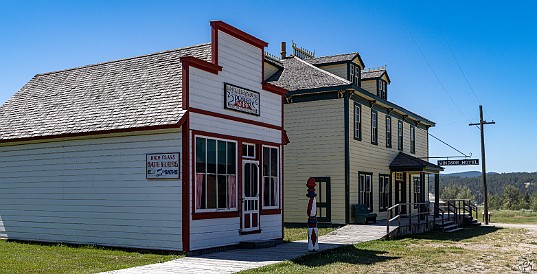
(241, 99)
(162, 166)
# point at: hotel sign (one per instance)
(466, 162)
(241, 99)
(162, 166)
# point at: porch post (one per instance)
(436, 194)
(422, 207)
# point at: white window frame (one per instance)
(364, 195)
(374, 127)
(199, 210)
(247, 156)
(278, 183)
(412, 139)
(357, 121)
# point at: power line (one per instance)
(453, 54)
(429, 64)
(448, 145)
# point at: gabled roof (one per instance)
(137, 92)
(335, 59)
(300, 75)
(404, 162)
(374, 74)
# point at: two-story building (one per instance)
(361, 147)
(176, 150)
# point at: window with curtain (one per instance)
(216, 169)
(271, 177)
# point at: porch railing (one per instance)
(462, 207)
(422, 214)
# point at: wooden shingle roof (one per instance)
(137, 92)
(298, 74)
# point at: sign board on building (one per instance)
(241, 99)
(466, 162)
(162, 166)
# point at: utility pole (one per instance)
(481, 125)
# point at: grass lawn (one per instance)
(475, 249)
(16, 257)
(513, 217)
(301, 233)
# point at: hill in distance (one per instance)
(468, 174)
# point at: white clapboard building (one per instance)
(176, 150)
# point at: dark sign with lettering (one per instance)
(241, 99)
(466, 162)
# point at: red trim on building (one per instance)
(274, 89)
(185, 185)
(98, 132)
(237, 33)
(201, 64)
(214, 45)
(215, 215)
(185, 68)
(271, 211)
(285, 140)
(233, 118)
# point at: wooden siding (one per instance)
(370, 86)
(367, 157)
(316, 132)
(338, 69)
(241, 64)
(91, 191)
(225, 231)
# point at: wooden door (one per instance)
(250, 196)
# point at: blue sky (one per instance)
(494, 43)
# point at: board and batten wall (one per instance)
(91, 190)
(241, 66)
(369, 158)
(317, 149)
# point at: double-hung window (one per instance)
(412, 139)
(374, 127)
(357, 75)
(385, 190)
(388, 131)
(357, 121)
(383, 94)
(216, 169)
(365, 190)
(400, 135)
(271, 177)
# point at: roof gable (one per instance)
(137, 92)
(335, 59)
(300, 75)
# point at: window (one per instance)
(388, 131)
(365, 190)
(383, 93)
(216, 169)
(357, 122)
(417, 190)
(248, 150)
(400, 135)
(385, 190)
(271, 179)
(374, 127)
(357, 75)
(354, 74)
(412, 139)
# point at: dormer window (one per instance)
(354, 74)
(382, 89)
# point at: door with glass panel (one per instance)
(250, 195)
(323, 199)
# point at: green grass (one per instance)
(475, 249)
(18, 257)
(301, 233)
(513, 217)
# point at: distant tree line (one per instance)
(506, 191)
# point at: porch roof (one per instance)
(404, 162)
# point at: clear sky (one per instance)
(444, 57)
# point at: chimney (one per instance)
(283, 50)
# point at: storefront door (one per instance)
(250, 195)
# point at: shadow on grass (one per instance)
(347, 254)
(464, 234)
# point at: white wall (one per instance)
(91, 191)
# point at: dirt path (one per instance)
(532, 228)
